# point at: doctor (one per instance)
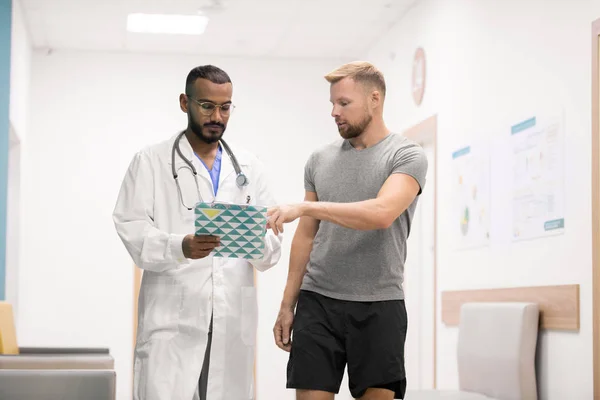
(197, 313)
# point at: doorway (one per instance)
(420, 275)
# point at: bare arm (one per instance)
(299, 257)
(396, 194)
(299, 254)
(394, 197)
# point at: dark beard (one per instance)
(353, 131)
(203, 132)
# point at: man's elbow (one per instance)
(385, 220)
(383, 223)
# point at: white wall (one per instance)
(94, 111)
(489, 63)
(20, 69)
(13, 222)
(19, 105)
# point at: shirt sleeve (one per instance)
(309, 174)
(272, 250)
(150, 248)
(411, 160)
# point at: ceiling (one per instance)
(248, 28)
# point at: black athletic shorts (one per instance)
(367, 336)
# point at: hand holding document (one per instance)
(240, 227)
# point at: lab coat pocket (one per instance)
(160, 309)
(249, 315)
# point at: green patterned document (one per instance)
(242, 228)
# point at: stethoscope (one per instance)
(241, 179)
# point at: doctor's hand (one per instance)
(279, 215)
(196, 247)
(283, 328)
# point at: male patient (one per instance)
(348, 252)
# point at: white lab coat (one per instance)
(177, 295)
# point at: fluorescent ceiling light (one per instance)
(167, 23)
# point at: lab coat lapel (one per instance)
(204, 180)
(226, 167)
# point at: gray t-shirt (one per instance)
(350, 264)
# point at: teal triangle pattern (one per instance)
(242, 228)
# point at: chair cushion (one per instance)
(496, 349)
(8, 332)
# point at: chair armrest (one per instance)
(57, 361)
(63, 350)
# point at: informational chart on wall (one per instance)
(471, 189)
(538, 194)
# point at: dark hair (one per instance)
(208, 72)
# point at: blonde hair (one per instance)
(359, 71)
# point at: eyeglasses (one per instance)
(207, 108)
